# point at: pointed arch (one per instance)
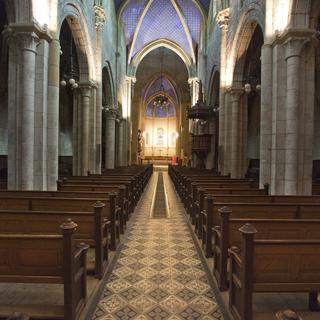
(155, 45)
(78, 25)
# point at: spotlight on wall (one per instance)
(258, 87)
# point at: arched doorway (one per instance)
(4, 53)
(245, 103)
(252, 86)
(69, 75)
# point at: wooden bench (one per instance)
(226, 235)
(271, 266)
(254, 196)
(48, 259)
(200, 194)
(131, 192)
(109, 211)
(123, 192)
(92, 229)
(211, 216)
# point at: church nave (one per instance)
(158, 274)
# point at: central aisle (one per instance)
(159, 274)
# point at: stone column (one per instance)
(29, 43)
(110, 138)
(130, 81)
(85, 104)
(293, 47)
(222, 20)
(235, 156)
(266, 115)
(120, 143)
(100, 19)
(53, 115)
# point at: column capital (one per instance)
(294, 45)
(222, 18)
(85, 89)
(100, 17)
(131, 79)
(111, 113)
(193, 80)
(26, 41)
(294, 39)
(235, 93)
(41, 32)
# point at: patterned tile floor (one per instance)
(159, 274)
(159, 208)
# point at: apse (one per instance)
(161, 97)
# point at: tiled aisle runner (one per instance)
(159, 274)
(159, 209)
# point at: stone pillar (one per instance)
(130, 81)
(53, 115)
(120, 143)
(266, 115)
(29, 43)
(293, 47)
(85, 104)
(100, 18)
(235, 156)
(110, 139)
(227, 133)
(222, 20)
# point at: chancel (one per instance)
(160, 159)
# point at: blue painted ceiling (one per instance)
(146, 21)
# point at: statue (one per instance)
(200, 92)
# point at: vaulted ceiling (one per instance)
(176, 21)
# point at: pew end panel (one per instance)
(48, 259)
(271, 266)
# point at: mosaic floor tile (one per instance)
(143, 303)
(173, 304)
(158, 314)
(158, 275)
(112, 304)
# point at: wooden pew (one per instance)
(199, 204)
(271, 266)
(254, 198)
(109, 211)
(103, 193)
(131, 192)
(92, 229)
(210, 216)
(198, 194)
(122, 190)
(226, 235)
(48, 259)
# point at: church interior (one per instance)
(159, 159)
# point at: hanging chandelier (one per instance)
(69, 77)
(161, 100)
